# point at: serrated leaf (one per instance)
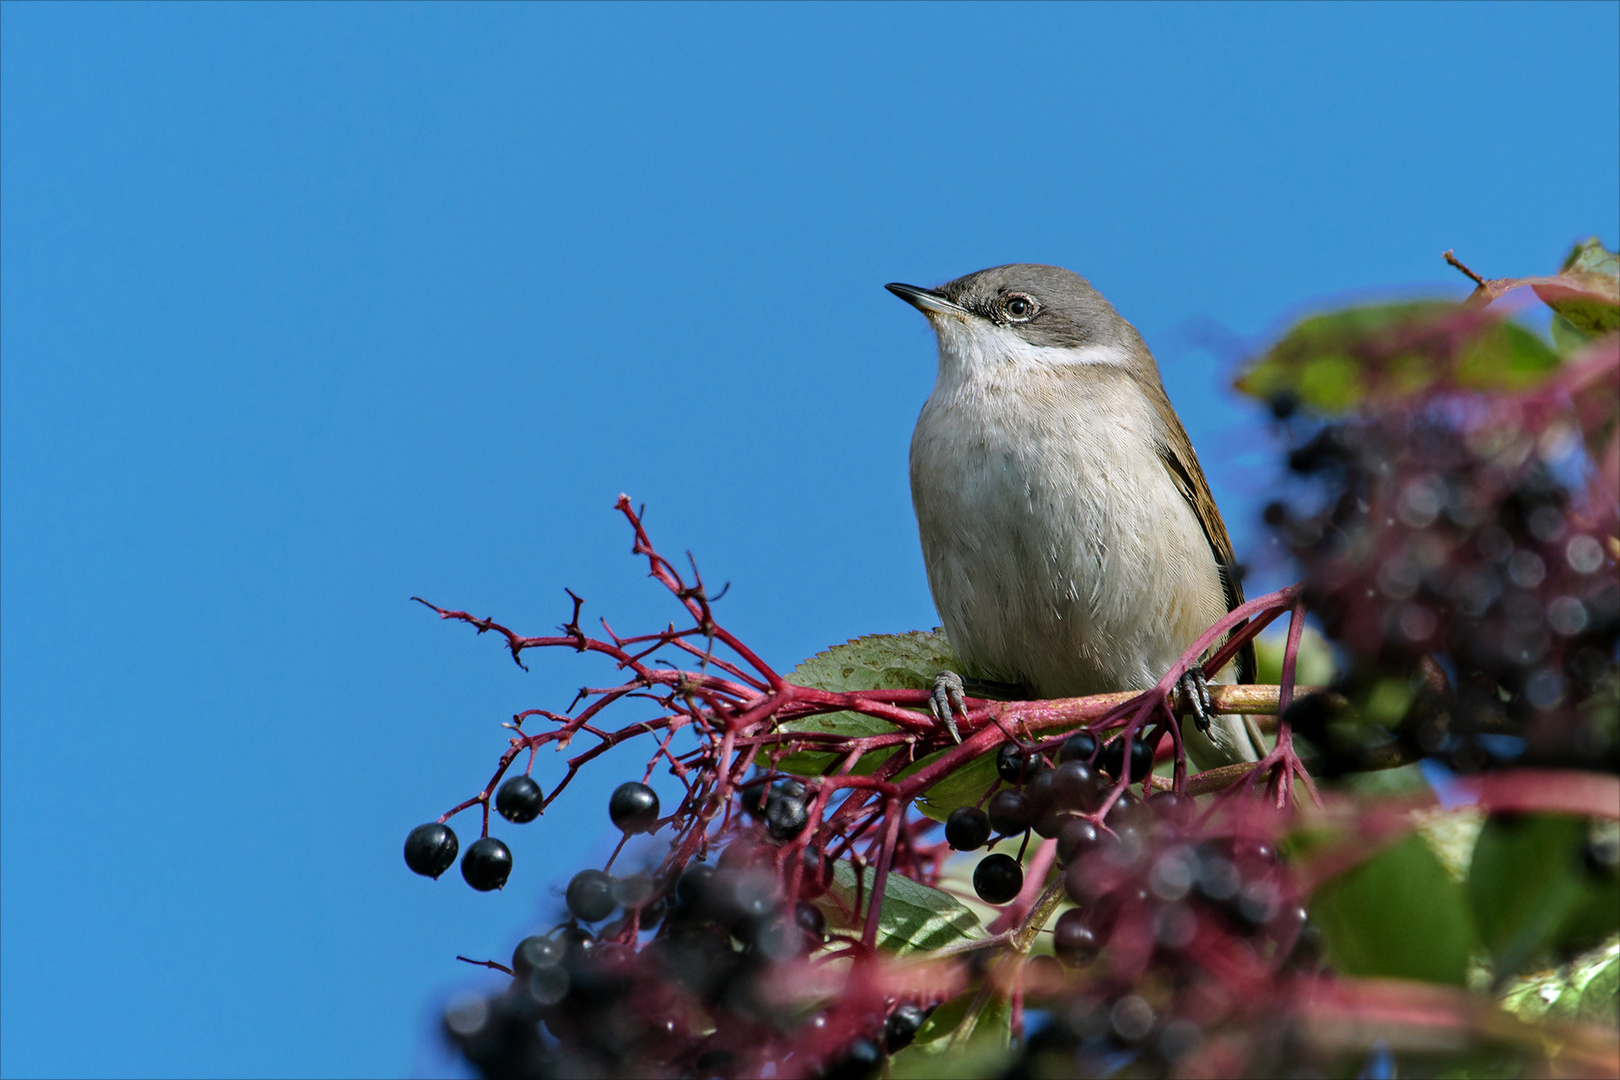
(913, 917)
(1530, 891)
(878, 661)
(874, 662)
(1397, 915)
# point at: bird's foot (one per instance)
(946, 702)
(1192, 694)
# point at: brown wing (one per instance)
(1176, 451)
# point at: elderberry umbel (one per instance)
(1458, 537)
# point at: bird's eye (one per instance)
(1018, 307)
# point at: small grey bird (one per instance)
(1071, 541)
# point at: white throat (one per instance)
(970, 347)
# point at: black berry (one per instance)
(519, 800)
(486, 864)
(1168, 806)
(1073, 939)
(967, 829)
(1075, 838)
(536, 952)
(633, 807)
(577, 942)
(431, 849)
(1039, 793)
(1078, 747)
(1074, 786)
(692, 886)
(1141, 758)
(812, 923)
(861, 1061)
(590, 896)
(998, 878)
(902, 1026)
(1015, 764)
(785, 816)
(1050, 821)
(1009, 811)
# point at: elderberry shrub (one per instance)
(1458, 536)
(742, 953)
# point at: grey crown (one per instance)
(1069, 311)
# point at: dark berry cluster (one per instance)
(693, 975)
(1181, 931)
(431, 849)
(1465, 528)
(1039, 796)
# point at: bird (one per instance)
(1070, 538)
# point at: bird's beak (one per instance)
(926, 301)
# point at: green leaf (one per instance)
(1584, 991)
(878, 661)
(1317, 361)
(1314, 361)
(1531, 891)
(1314, 667)
(1506, 357)
(1451, 835)
(914, 918)
(1566, 338)
(1396, 915)
(966, 786)
(1587, 289)
(985, 1054)
(875, 662)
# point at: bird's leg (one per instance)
(945, 701)
(1192, 692)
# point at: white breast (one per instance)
(1059, 552)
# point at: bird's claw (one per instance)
(946, 701)
(1192, 694)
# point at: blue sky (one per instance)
(309, 308)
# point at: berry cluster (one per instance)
(690, 978)
(1180, 927)
(431, 849)
(1464, 526)
(1041, 797)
